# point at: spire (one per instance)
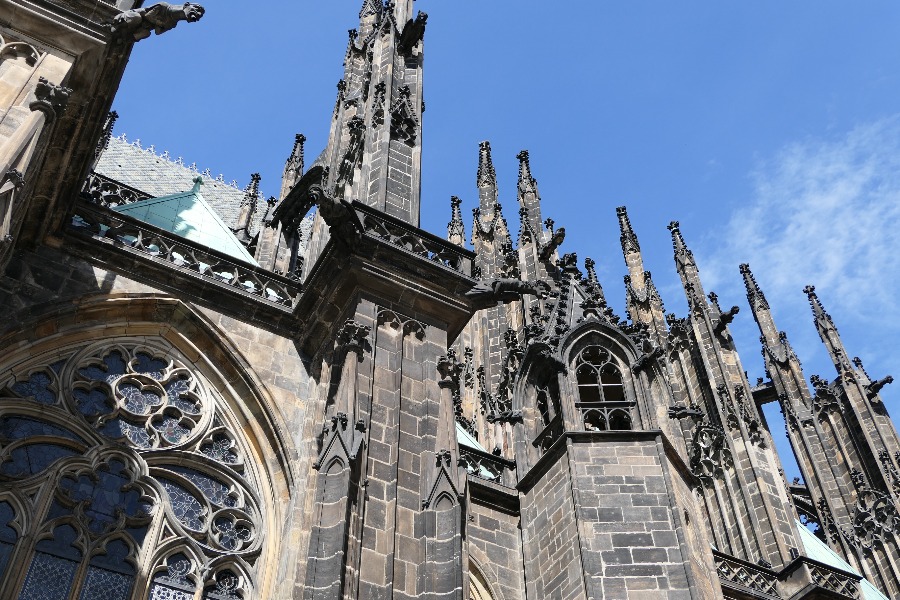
(456, 231)
(828, 332)
(687, 270)
(248, 208)
(774, 342)
(642, 300)
(486, 174)
(527, 183)
(486, 180)
(251, 192)
(529, 198)
(755, 295)
(628, 238)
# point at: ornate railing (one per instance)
(606, 416)
(834, 581)
(105, 226)
(486, 466)
(412, 239)
(104, 191)
(746, 575)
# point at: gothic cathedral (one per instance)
(205, 394)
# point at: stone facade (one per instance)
(369, 410)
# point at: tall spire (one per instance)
(774, 342)
(293, 166)
(828, 332)
(486, 179)
(628, 238)
(642, 298)
(529, 198)
(687, 270)
(248, 208)
(456, 231)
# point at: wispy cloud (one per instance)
(825, 212)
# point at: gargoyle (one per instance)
(505, 290)
(555, 241)
(140, 22)
(680, 411)
(725, 319)
(412, 34)
(337, 214)
(873, 388)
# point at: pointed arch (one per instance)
(180, 406)
(479, 588)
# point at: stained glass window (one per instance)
(31, 459)
(187, 508)
(7, 535)
(53, 567)
(104, 507)
(174, 583)
(38, 387)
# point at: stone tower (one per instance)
(207, 394)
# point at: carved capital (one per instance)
(50, 99)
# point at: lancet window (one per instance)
(120, 477)
(602, 401)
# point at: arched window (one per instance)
(601, 391)
(127, 457)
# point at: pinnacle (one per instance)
(526, 181)
(486, 174)
(628, 237)
(754, 293)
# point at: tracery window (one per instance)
(121, 478)
(601, 391)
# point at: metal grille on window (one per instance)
(602, 401)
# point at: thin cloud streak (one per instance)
(827, 213)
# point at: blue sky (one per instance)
(770, 130)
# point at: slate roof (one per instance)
(188, 215)
(160, 175)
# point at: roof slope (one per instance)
(158, 175)
(817, 550)
(188, 215)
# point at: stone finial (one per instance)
(755, 296)
(50, 99)
(683, 255)
(527, 183)
(139, 23)
(295, 160)
(486, 174)
(251, 192)
(628, 238)
(591, 272)
(456, 231)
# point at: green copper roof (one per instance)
(188, 215)
(817, 550)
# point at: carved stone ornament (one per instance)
(404, 123)
(13, 178)
(413, 32)
(709, 453)
(353, 336)
(139, 23)
(50, 99)
(505, 290)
